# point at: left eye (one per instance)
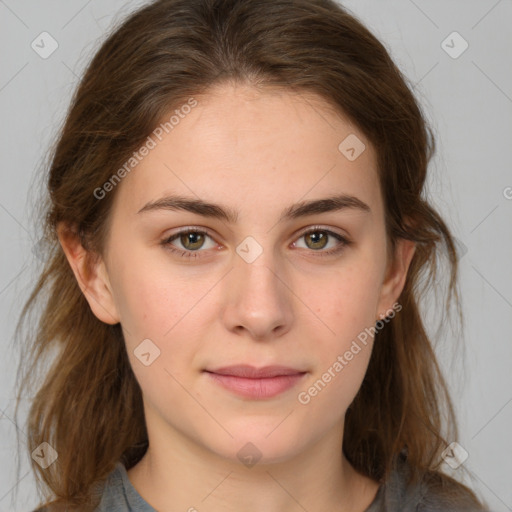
(316, 239)
(319, 239)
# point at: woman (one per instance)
(239, 232)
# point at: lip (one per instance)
(256, 383)
(251, 372)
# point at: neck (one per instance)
(184, 475)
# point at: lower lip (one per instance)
(257, 388)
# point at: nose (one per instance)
(259, 301)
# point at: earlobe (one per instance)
(91, 274)
(396, 275)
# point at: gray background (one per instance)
(469, 102)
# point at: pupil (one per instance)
(318, 239)
(190, 239)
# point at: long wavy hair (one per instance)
(85, 401)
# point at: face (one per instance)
(255, 280)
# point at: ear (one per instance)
(396, 274)
(91, 275)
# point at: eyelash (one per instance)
(344, 242)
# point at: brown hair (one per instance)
(89, 406)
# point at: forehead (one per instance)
(254, 146)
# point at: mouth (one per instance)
(256, 383)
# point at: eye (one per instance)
(318, 238)
(191, 241)
(188, 242)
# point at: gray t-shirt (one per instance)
(119, 495)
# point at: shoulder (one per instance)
(439, 492)
(54, 507)
(103, 492)
(432, 492)
(58, 507)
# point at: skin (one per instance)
(256, 152)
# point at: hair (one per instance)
(88, 406)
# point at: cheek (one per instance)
(346, 304)
(156, 314)
(159, 303)
(151, 297)
(145, 305)
(347, 299)
(343, 355)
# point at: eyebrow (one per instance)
(217, 211)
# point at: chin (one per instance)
(251, 446)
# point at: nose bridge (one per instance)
(259, 300)
(259, 279)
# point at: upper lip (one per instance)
(251, 372)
